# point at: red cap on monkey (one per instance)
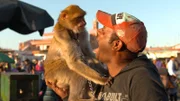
(128, 28)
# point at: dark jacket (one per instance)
(138, 81)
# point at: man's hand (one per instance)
(59, 91)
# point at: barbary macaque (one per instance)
(70, 58)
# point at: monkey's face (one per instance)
(78, 24)
(72, 18)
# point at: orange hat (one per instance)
(128, 28)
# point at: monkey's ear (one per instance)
(64, 15)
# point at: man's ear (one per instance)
(117, 45)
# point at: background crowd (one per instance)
(168, 69)
(34, 67)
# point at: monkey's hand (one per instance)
(109, 81)
(97, 66)
(105, 81)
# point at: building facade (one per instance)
(40, 47)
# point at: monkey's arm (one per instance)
(88, 52)
(74, 58)
(85, 44)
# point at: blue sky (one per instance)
(161, 17)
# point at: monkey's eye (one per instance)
(80, 18)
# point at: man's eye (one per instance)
(103, 32)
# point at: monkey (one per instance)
(70, 61)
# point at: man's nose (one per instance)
(99, 31)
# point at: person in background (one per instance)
(39, 67)
(172, 88)
(171, 66)
(164, 76)
(19, 68)
(2, 69)
(28, 66)
(169, 83)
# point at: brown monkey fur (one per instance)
(69, 56)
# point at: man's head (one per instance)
(172, 58)
(124, 28)
(128, 28)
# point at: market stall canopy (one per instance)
(5, 58)
(23, 18)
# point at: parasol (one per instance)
(23, 18)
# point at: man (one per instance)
(135, 78)
(172, 88)
(171, 66)
(164, 76)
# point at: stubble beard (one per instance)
(97, 53)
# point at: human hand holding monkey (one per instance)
(63, 93)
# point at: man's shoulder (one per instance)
(141, 62)
(142, 66)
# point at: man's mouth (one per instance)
(96, 50)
